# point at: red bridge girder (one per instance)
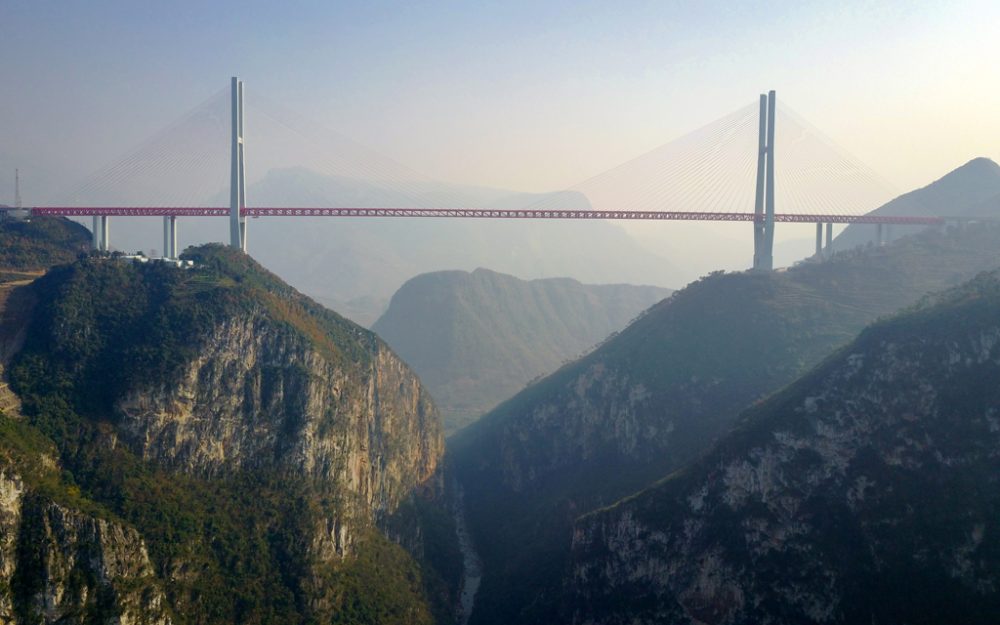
(478, 213)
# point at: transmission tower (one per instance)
(17, 189)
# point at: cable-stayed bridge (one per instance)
(736, 169)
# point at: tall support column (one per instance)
(763, 232)
(243, 175)
(768, 260)
(758, 207)
(166, 237)
(879, 235)
(105, 233)
(829, 239)
(170, 236)
(237, 180)
(96, 231)
(173, 236)
(819, 239)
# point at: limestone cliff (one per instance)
(260, 396)
(866, 492)
(254, 440)
(60, 564)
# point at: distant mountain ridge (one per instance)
(972, 190)
(477, 338)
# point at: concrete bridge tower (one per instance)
(237, 181)
(763, 226)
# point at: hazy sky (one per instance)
(526, 95)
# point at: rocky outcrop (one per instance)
(261, 396)
(867, 492)
(60, 565)
(258, 443)
(11, 491)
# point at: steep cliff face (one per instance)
(866, 492)
(259, 396)
(60, 562)
(11, 491)
(253, 439)
(75, 568)
(661, 392)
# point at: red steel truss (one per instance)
(481, 213)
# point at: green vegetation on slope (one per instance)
(124, 324)
(867, 491)
(40, 243)
(228, 549)
(477, 338)
(658, 394)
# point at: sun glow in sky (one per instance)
(531, 96)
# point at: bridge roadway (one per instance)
(482, 213)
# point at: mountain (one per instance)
(662, 391)
(358, 263)
(866, 492)
(972, 190)
(207, 445)
(37, 244)
(477, 338)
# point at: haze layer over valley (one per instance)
(514, 313)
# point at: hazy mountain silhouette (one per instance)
(477, 338)
(972, 190)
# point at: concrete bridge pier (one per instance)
(829, 240)
(170, 237)
(819, 240)
(101, 233)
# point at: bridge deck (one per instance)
(481, 213)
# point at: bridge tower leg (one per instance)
(96, 232)
(819, 239)
(105, 233)
(758, 207)
(879, 235)
(166, 237)
(763, 258)
(237, 180)
(829, 239)
(769, 198)
(173, 237)
(170, 236)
